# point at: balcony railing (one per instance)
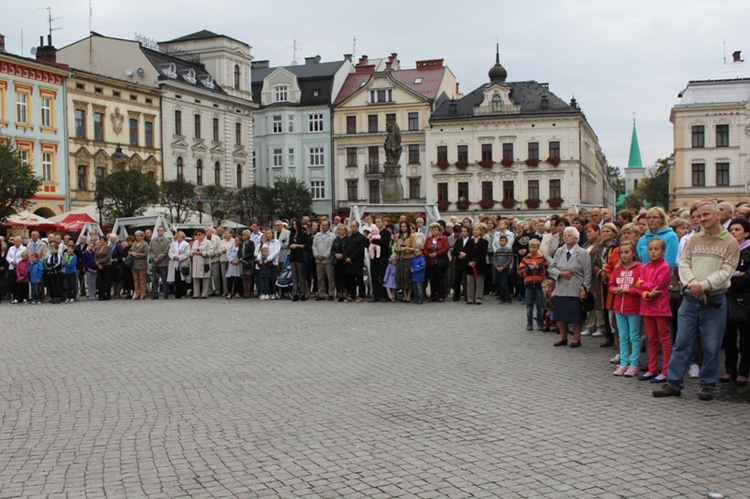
(503, 109)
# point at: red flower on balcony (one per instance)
(443, 165)
(555, 202)
(486, 204)
(443, 204)
(533, 162)
(486, 163)
(463, 205)
(508, 203)
(553, 160)
(462, 165)
(533, 203)
(506, 162)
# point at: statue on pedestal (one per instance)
(391, 190)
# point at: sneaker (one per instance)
(659, 379)
(615, 359)
(631, 372)
(706, 393)
(621, 369)
(646, 376)
(596, 334)
(695, 371)
(585, 332)
(666, 391)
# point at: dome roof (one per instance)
(497, 73)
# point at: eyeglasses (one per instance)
(653, 218)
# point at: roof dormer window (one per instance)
(497, 103)
(417, 81)
(382, 95)
(189, 75)
(169, 70)
(281, 93)
(208, 81)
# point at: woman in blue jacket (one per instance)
(658, 228)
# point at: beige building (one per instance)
(111, 124)
(377, 93)
(712, 137)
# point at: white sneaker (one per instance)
(273, 297)
(615, 359)
(597, 333)
(262, 297)
(585, 332)
(695, 371)
(14, 302)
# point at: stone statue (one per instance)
(392, 144)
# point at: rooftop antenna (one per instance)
(91, 15)
(354, 48)
(296, 46)
(49, 20)
(633, 118)
(725, 50)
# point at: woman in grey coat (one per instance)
(571, 269)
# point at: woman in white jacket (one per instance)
(179, 257)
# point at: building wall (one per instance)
(42, 144)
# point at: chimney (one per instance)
(362, 61)
(260, 64)
(46, 53)
(348, 57)
(312, 60)
(457, 91)
(545, 101)
(2, 43)
(736, 56)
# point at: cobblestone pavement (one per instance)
(207, 399)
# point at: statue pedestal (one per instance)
(391, 190)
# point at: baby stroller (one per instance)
(284, 281)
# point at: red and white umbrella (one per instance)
(28, 220)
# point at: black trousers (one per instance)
(458, 279)
(104, 282)
(377, 271)
(354, 283)
(436, 277)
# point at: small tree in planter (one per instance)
(486, 163)
(533, 162)
(462, 165)
(553, 160)
(443, 204)
(506, 162)
(555, 202)
(486, 204)
(508, 203)
(533, 203)
(443, 165)
(463, 205)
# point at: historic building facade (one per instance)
(112, 123)
(377, 93)
(712, 137)
(32, 118)
(510, 146)
(206, 122)
(293, 124)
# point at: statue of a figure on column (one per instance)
(392, 144)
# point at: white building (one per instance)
(712, 137)
(293, 124)
(204, 78)
(513, 146)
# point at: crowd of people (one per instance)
(674, 284)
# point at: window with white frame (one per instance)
(291, 157)
(318, 189)
(317, 157)
(316, 123)
(277, 125)
(22, 106)
(24, 156)
(47, 167)
(290, 123)
(278, 159)
(383, 95)
(282, 94)
(46, 106)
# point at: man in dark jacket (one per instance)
(460, 262)
(354, 256)
(378, 265)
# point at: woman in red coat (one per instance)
(436, 249)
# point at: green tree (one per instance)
(127, 193)
(293, 198)
(220, 204)
(17, 181)
(632, 201)
(177, 195)
(655, 187)
(616, 172)
(254, 202)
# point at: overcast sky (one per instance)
(616, 57)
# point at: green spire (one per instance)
(634, 161)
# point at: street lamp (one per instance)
(237, 220)
(99, 206)
(199, 207)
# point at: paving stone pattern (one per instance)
(219, 398)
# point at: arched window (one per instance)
(199, 172)
(239, 176)
(496, 103)
(180, 168)
(237, 76)
(217, 173)
(635, 184)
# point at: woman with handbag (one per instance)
(104, 272)
(201, 252)
(436, 249)
(179, 270)
(738, 304)
(128, 284)
(247, 258)
(139, 252)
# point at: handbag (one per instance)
(129, 261)
(588, 303)
(738, 307)
(185, 271)
(674, 288)
(442, 261)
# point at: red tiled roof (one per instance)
(428, 88)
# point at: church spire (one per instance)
(634, 161)
(497, 73)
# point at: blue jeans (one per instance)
(265, 286)
(502, 284)
(629, 329)
(418, 291)
(534, 296)
(707, 323)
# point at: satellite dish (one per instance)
(33, 50)
(129, 71)
(140, 72)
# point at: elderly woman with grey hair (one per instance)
(139, 252)
(571, 269)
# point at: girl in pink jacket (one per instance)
(626, 303)
(655, 309)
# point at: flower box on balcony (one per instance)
(508, 203)
(533, 203)
(555, 202)
(443, 165)
(462, 165)
(443, 204)
(553, 160)
(486, 163)
(506, 162)
(533, 162)
(486, 204)
(463, 205)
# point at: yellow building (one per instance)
(111, 124)
(378, 93)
